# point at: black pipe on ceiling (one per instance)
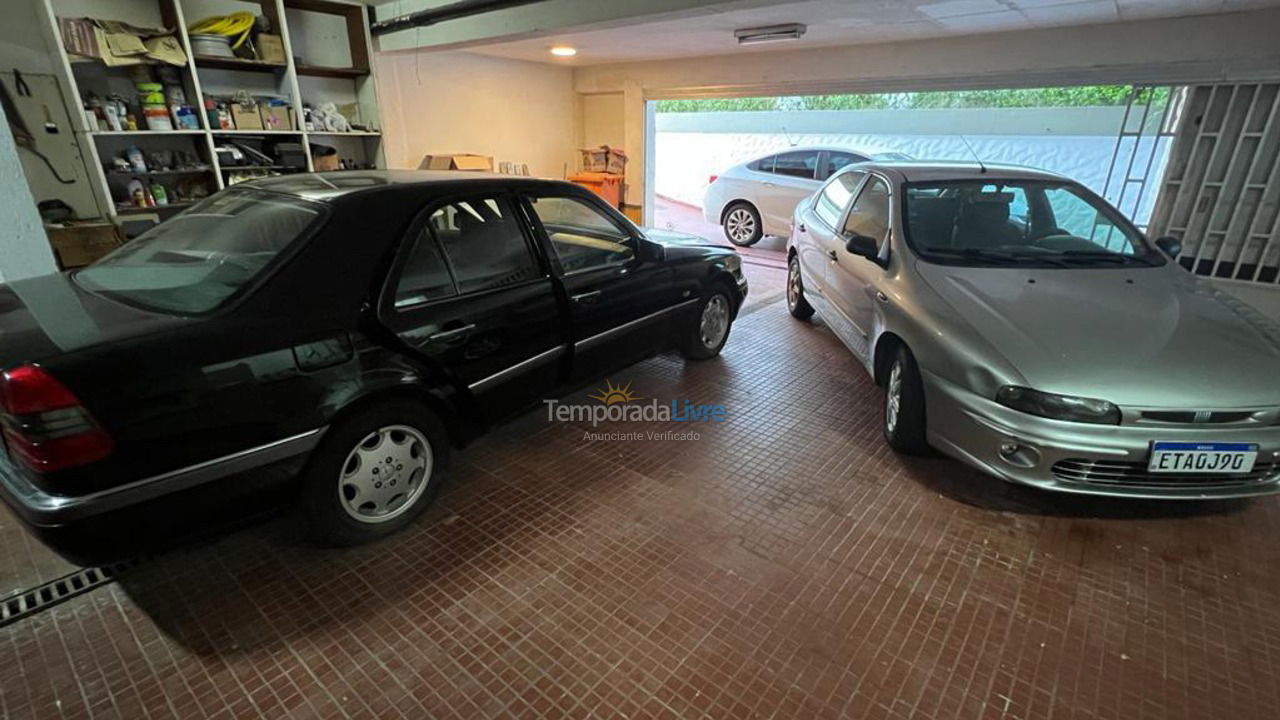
(452, 11)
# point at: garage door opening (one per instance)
(768, 153)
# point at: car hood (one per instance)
(1154, 337)
(46, 316)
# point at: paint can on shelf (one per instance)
(157, 117)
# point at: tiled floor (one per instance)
(783, 564)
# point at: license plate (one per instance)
(1202, 458)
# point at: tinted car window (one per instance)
(425, 276)
(581, 234)
(834, 198)
(799, 164)
(200, 258)
(484, 244)
(837, 160)
(764, 164)
(869, 215)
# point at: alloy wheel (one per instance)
(893, 397)
(740, 225)
(793, 284)
(715, 321)
(385, 473)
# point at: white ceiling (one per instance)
(841, 22)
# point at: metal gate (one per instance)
(1150, 116)
(1221, 192)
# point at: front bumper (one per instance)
(972, 429)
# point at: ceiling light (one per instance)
(770, 33)
(563, 51)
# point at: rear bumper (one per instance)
(39, 508)
(973, 428)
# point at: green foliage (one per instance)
(1083, 96)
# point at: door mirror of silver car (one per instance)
(1171, 245)
(862, 245)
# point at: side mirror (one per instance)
(650, 251)
(1171, 245)
(863, 246)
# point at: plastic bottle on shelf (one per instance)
(112, 113)
(136, 159)
(160, 194)
(136, 193)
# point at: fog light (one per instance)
(1020, 455)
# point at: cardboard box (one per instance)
(119, 44)
(277, 117)
(78, 244)
(604, 159)
(247, 117)
(325, 163)
(270, 48)
(457, 161)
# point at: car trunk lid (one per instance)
(49, 316)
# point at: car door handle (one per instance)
(451, 334)
(587, 297)
(832, 254)
(769, 184)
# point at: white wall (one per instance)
(25, 251)
(443, 102)
(602, 120)
(1076, 142)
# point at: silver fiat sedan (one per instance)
(1021, 324)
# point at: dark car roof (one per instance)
(329, 185)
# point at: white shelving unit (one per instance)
(327, 59)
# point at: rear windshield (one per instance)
(199, 259)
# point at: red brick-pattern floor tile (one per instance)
(785, 564)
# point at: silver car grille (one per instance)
(1111, 473)
(1194, 416)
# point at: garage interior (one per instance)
(785, 563)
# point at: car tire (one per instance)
(742, 225)
(350, 463)
(799, 308)
(903, 416)
(708, 331)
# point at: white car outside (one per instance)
(758, 198)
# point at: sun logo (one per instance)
(614, 394)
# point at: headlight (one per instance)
(1058, 407)
(734, 263)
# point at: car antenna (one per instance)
(981, 167)
(787, 135)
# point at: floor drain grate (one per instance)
(38, 599)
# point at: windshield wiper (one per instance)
(1007, 256)
(1103, 256)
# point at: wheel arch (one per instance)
(403, 383)
(886, 345)
(724, 211)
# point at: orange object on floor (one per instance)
(606, 185)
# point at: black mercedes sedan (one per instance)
(359, 324)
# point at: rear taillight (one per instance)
(712, 179)
(45, 426)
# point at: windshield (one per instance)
(1020, 223)
(200, 258)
